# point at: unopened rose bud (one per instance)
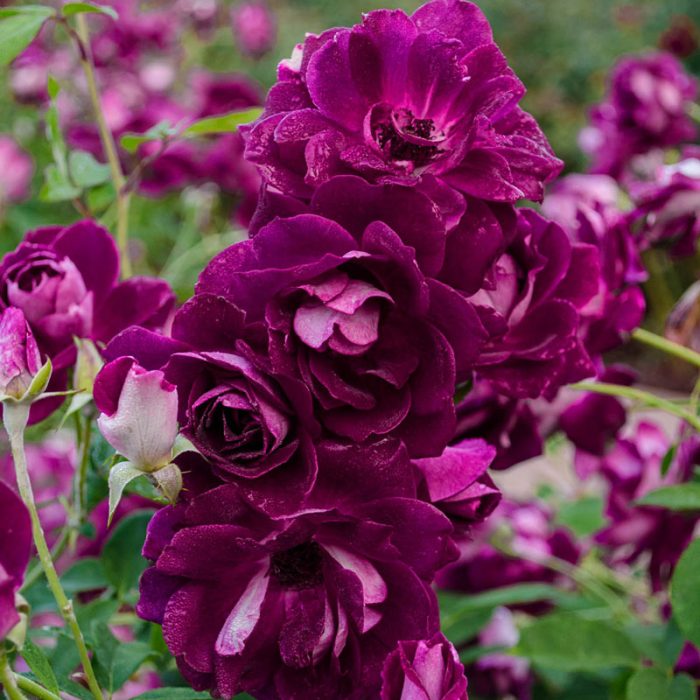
(22, 375)
(139, 413)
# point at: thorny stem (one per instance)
(15, 417)
(110, 148)
(645, 397)
(7, 678)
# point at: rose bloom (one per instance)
(586, 206)
(646, 108)
(668, 211)
(530, 306)
(254, 426)
(16, 169)
(254, 28)
(379, 346)
(426, 100)
(304, 606)
(632, 468)
(428, 669)
(65, 280)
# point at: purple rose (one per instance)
(633, 468)
(501, 674)
(297, 607)
(510, 425)
(530, 307)
(646, 108)
(15, 552)
(66, 282)
(378, 344)
(457, 482)
(256, 427)
(254, 28)
(586, 207)
(20, 360)
(16, 171)
(426, 100)
(592, 421)
(428, 669)
(532, 539)
(668, 211)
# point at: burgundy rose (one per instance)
(426, 100)
(530, 306)
(428, 669)
(297, 607)
(378, 344)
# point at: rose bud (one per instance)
(21, 371)
(424, 670)
(139, 420)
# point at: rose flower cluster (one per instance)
(329, 472)
(316, 365)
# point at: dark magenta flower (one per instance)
(530, 307)
(633, 468)
(646, 108)
(16, 169)
(500, 674)
(255, 426)
(458, 484)
(587, 208)
(254, 27)
(425, 100)
(524, 529)
(668, 211)
(297, 607)
(428, 669)
(15, 552)
(508, 424)
(65, 280)
(378, 344)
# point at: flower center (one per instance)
(299, 567)
(404, 138)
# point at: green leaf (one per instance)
(98, 611)
(682, 688)
(582, 517)
(17, 32)
(676, 497)
(655, 684)
(57, 187)
(85, 171)
(568, 642)
(131, 141)
(175, 694)
(26, 10)
(80, 8)
(40, 665)
(685, 593)
(222, 123)
(119, 476)
(85, 575)
(121, 555)
(126, 661)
